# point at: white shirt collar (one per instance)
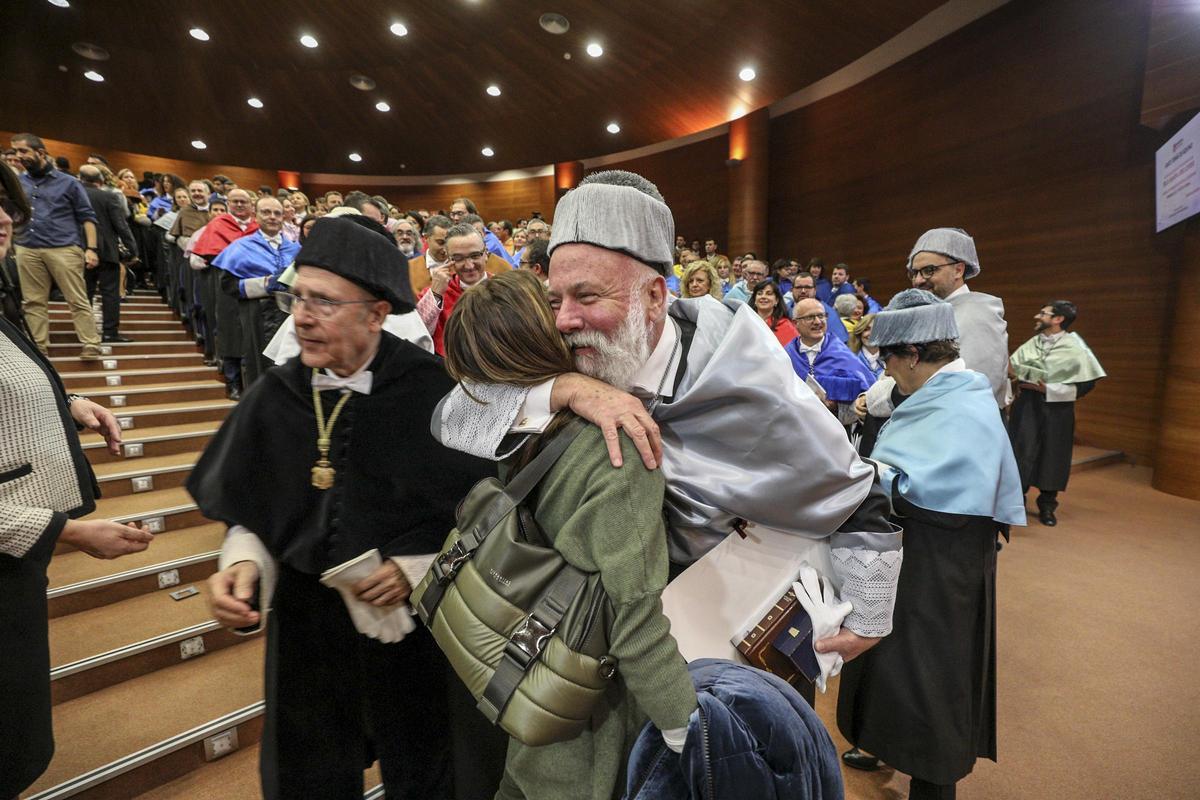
(1051, 338)
(960, 290)
(664, 359)
(433, 263)
(243, 224)
(957, 365)
(360, 380)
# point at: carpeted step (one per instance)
(144, 346)
(133, 476)
(179, 412)
(80, 582)
(99, 729)
(162, 334)
(153, 441)
(116, 363)
(129, 376)
(117, 397)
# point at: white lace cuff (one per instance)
(869, 580)
(477, 423)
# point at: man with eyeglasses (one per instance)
(804, 287)
(420, 269)
(819, 357)
(468, 267)
(536, 258)
(250, 268)
(942, 261)
(463, 210)
(753, 271)
(330, 460)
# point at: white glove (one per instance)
(826, 610)
(388, 625)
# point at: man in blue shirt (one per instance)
(50, 248)
(460, 209)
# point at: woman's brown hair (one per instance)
(502, 331)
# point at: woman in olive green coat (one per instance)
(601, 520)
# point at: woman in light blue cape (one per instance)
(924, 699)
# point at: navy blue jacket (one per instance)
(753, 736)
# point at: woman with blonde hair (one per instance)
(860, 343)
(700, 278)
(601, 520)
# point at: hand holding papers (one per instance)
(387, 624)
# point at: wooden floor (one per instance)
(1099, 683)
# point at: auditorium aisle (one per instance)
(144, 681)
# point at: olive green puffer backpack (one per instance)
(525, 631)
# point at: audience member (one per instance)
(924, 700)
(111, 231)
(803, 288)
(710, 251)
(862, 288)
(468, 268)
(860, 344)
(1053, 369)
(405, 234)
(846, 305)
(421, 268)
(460, 209)
(536, 258)
(250, 267)
(701, 278)
(768, 304)
(816, 268)
(840, 281)
(820, 357)
(753, 271)
(51, 249)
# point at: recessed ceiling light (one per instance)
(93, 52)
(199, 144)
(92, 75)
(488, 152)
(595, 50)
(383, 106)
(60, 3)
(309, 41)
(254, 102)
(554, 23)
(747, 74)
(355, 157)
(614, 127)
(493, 90)
(62, 68)
(399, 29)
(362, 82)
(199, 34)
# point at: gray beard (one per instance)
(407, 249)
(619, 359)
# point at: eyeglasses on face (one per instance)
(811, 318)
(928, 272)
(320, 307)
(478, 255)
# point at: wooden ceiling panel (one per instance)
(669, 69)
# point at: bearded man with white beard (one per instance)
(701, 370)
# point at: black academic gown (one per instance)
(924, 699)
(1043, 436)
(336, 699)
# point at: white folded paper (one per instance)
(714, 602)
(388, 625)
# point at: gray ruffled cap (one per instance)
(953, 243)
(914, 316)
(620, 211)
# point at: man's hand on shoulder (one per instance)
(609, 409)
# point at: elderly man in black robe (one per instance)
(328, 459)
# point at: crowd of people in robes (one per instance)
(334, 321)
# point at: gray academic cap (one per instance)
(619, 211)
(951, 242)
(914, 316)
